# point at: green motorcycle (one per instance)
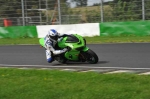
(77, 50)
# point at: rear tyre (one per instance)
(92, 58)
(62, 59)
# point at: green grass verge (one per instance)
(53, 84)
(90, 40)
(8, 41)
(118, 39)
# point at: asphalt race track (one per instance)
(111, 56)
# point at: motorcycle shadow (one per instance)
(79, 63)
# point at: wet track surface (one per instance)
(111, 56)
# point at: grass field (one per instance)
(54, 84)
(90, 40)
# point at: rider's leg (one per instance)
(49, 56)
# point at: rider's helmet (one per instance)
(53, 34)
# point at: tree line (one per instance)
(121, 10)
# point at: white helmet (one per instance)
(53, 34)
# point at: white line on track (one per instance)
(119, 71)
(82, 67)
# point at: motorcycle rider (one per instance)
(50, 41)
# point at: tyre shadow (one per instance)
(79, 63)
(103, 62)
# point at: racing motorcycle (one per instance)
(77, 50)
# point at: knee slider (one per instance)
(49, 60)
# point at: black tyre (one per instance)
(92, 58)
(62, 59)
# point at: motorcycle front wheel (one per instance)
(91, 57)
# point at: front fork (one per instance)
(85, 49)
(82, 55)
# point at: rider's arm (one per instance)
(60, 36)
(56, 52)
(48, 45)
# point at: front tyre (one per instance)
(92, 58)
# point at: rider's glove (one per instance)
(65, 50)
(59, 39)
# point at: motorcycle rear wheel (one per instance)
(61, 59)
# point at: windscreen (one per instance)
(72, 39)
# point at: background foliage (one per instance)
(116, 10)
